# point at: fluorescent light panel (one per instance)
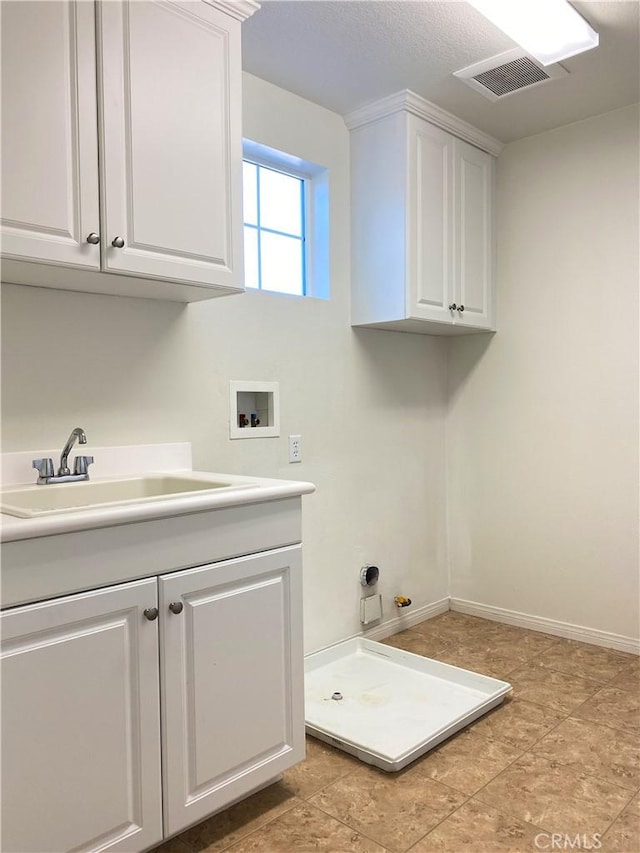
(550, 30)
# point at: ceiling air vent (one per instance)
(509, 72)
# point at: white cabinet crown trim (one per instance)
(239, 9)
(408, 101)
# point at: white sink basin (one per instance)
(34, 501)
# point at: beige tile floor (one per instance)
(561, 755)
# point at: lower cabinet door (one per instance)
(80, 723)
(231, 680)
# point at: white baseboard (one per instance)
(547, 626)
(407, 617)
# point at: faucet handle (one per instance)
(44, 467)
(81, 464)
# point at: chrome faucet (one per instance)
(79, 433)
(81, 464)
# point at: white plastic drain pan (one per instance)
(394, 705)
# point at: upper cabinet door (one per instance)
(430, 212)
(473, 289)
(49, 133)
(169, 80)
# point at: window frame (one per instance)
(302, 237)
(315, 213)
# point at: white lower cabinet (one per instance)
(232, 675)
(198, 671)
(81, 723)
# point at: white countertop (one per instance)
(150, 459)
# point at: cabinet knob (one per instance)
(151, 613)
(93, 238)
(176, 606)
(461, 308)
(453, 307)
(117, 242)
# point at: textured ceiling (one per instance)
(344, 53)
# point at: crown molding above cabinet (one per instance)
(240, 9)
(407, 101)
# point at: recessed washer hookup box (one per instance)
(387, 706)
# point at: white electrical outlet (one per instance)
(295, 448)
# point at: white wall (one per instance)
(542, 426)
(542, 429)
(369, 404)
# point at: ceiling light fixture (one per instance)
(550, 30)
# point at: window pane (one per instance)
(250, 192)
(250, 257)
(280, 202)
(281, 263)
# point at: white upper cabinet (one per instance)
(49, 119)
(150, 90)
(422, 219)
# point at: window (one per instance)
(274, 238)
(286, 227)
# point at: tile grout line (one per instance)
(351, 772)
(487, 805)
(601, 684)
(551, 829)
(586, 719)
(553, 639)
(561, 722)
(632, 791)
(440, 822)
(344, 823)
(370, 838)
(467, 799)
(562, 765)
(471, 796)
(246, 834)
(585, 677)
